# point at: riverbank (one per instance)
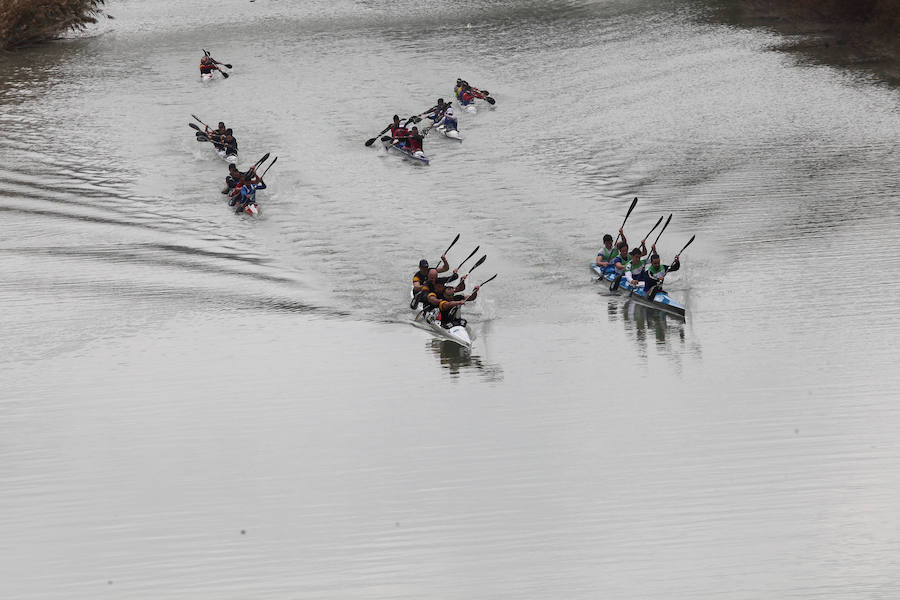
(27, 22)
(860, 35)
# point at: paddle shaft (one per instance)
(468, 257)
(661, 230)
(628, 214)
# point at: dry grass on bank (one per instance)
(24, 22)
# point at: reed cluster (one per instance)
(24, 22)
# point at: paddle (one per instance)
(653, 290)
(201, 122)
(628, 214)
(481, 285)
(226, 65)
(274, 160)
(263, 159)
(475, 266)
(660, 231)
(453, 243)
(468, 257)
(371, 141)
(654, 227)
(204, 138)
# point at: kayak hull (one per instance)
(453, 134)
(456, 333)
(206, 76)
(227, 157)
(414, 157)
(661, 301)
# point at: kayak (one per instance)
(453, 134)
(454, 333)
(416, 157)
(206, 76)
(227, 157)
(661, 301)
(432, 318)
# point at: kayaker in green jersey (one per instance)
(656, 273)
(634, 268)
(607, 252)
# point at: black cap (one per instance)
(635, 251)
(423, 264)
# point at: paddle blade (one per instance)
(371, 141)
(193, 126)
(688, 244)
(489, 279)
(227, 66)
(490, 100)
(456, 239)
(202, 138)
(478, 262)
(631, 208)
(224, 74)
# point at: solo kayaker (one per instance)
(207, 66)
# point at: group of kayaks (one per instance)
(240, 186)
(406, 140)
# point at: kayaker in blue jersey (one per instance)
(448, 120)
(249, 184)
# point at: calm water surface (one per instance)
(198, 404)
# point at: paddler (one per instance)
(414, 141)
(207, 66)
(250, 184)
(229, 144)
(635, 269)
(448, 120)
(231, 180)
(447, 302)
(656, 273)
(607, 253)
(432, 282)
(421, 276)
(399, 132)
(435, 112)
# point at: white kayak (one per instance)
(453, 134)
(417, 157)
(432, 318)
(206, 76)
(251, 209)
(227, 157)
(454, 333)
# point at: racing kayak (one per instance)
(206, 76)
(661, 301)
(227, 157)
(455, 333)
(453, 134)
(416, 157)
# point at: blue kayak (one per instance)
(661, 301)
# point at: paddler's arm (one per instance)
(443, 267)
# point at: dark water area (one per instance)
(198, 403)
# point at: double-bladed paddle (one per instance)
(481, 285)
(652, 291)
(453, 243)
(628, 214)
(203, 137)
(660, 231)
(274, 160)
(468, 257)
(215, 62)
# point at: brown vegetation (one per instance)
(846, 32)
(24, 22)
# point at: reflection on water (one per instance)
(455, 358)
(650, 327)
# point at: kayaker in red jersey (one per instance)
(207, 66)
(399, 133)
(414, 140)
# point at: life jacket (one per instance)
(400, 132)
(208, 68)
(466, 97)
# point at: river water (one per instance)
(194, 404)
